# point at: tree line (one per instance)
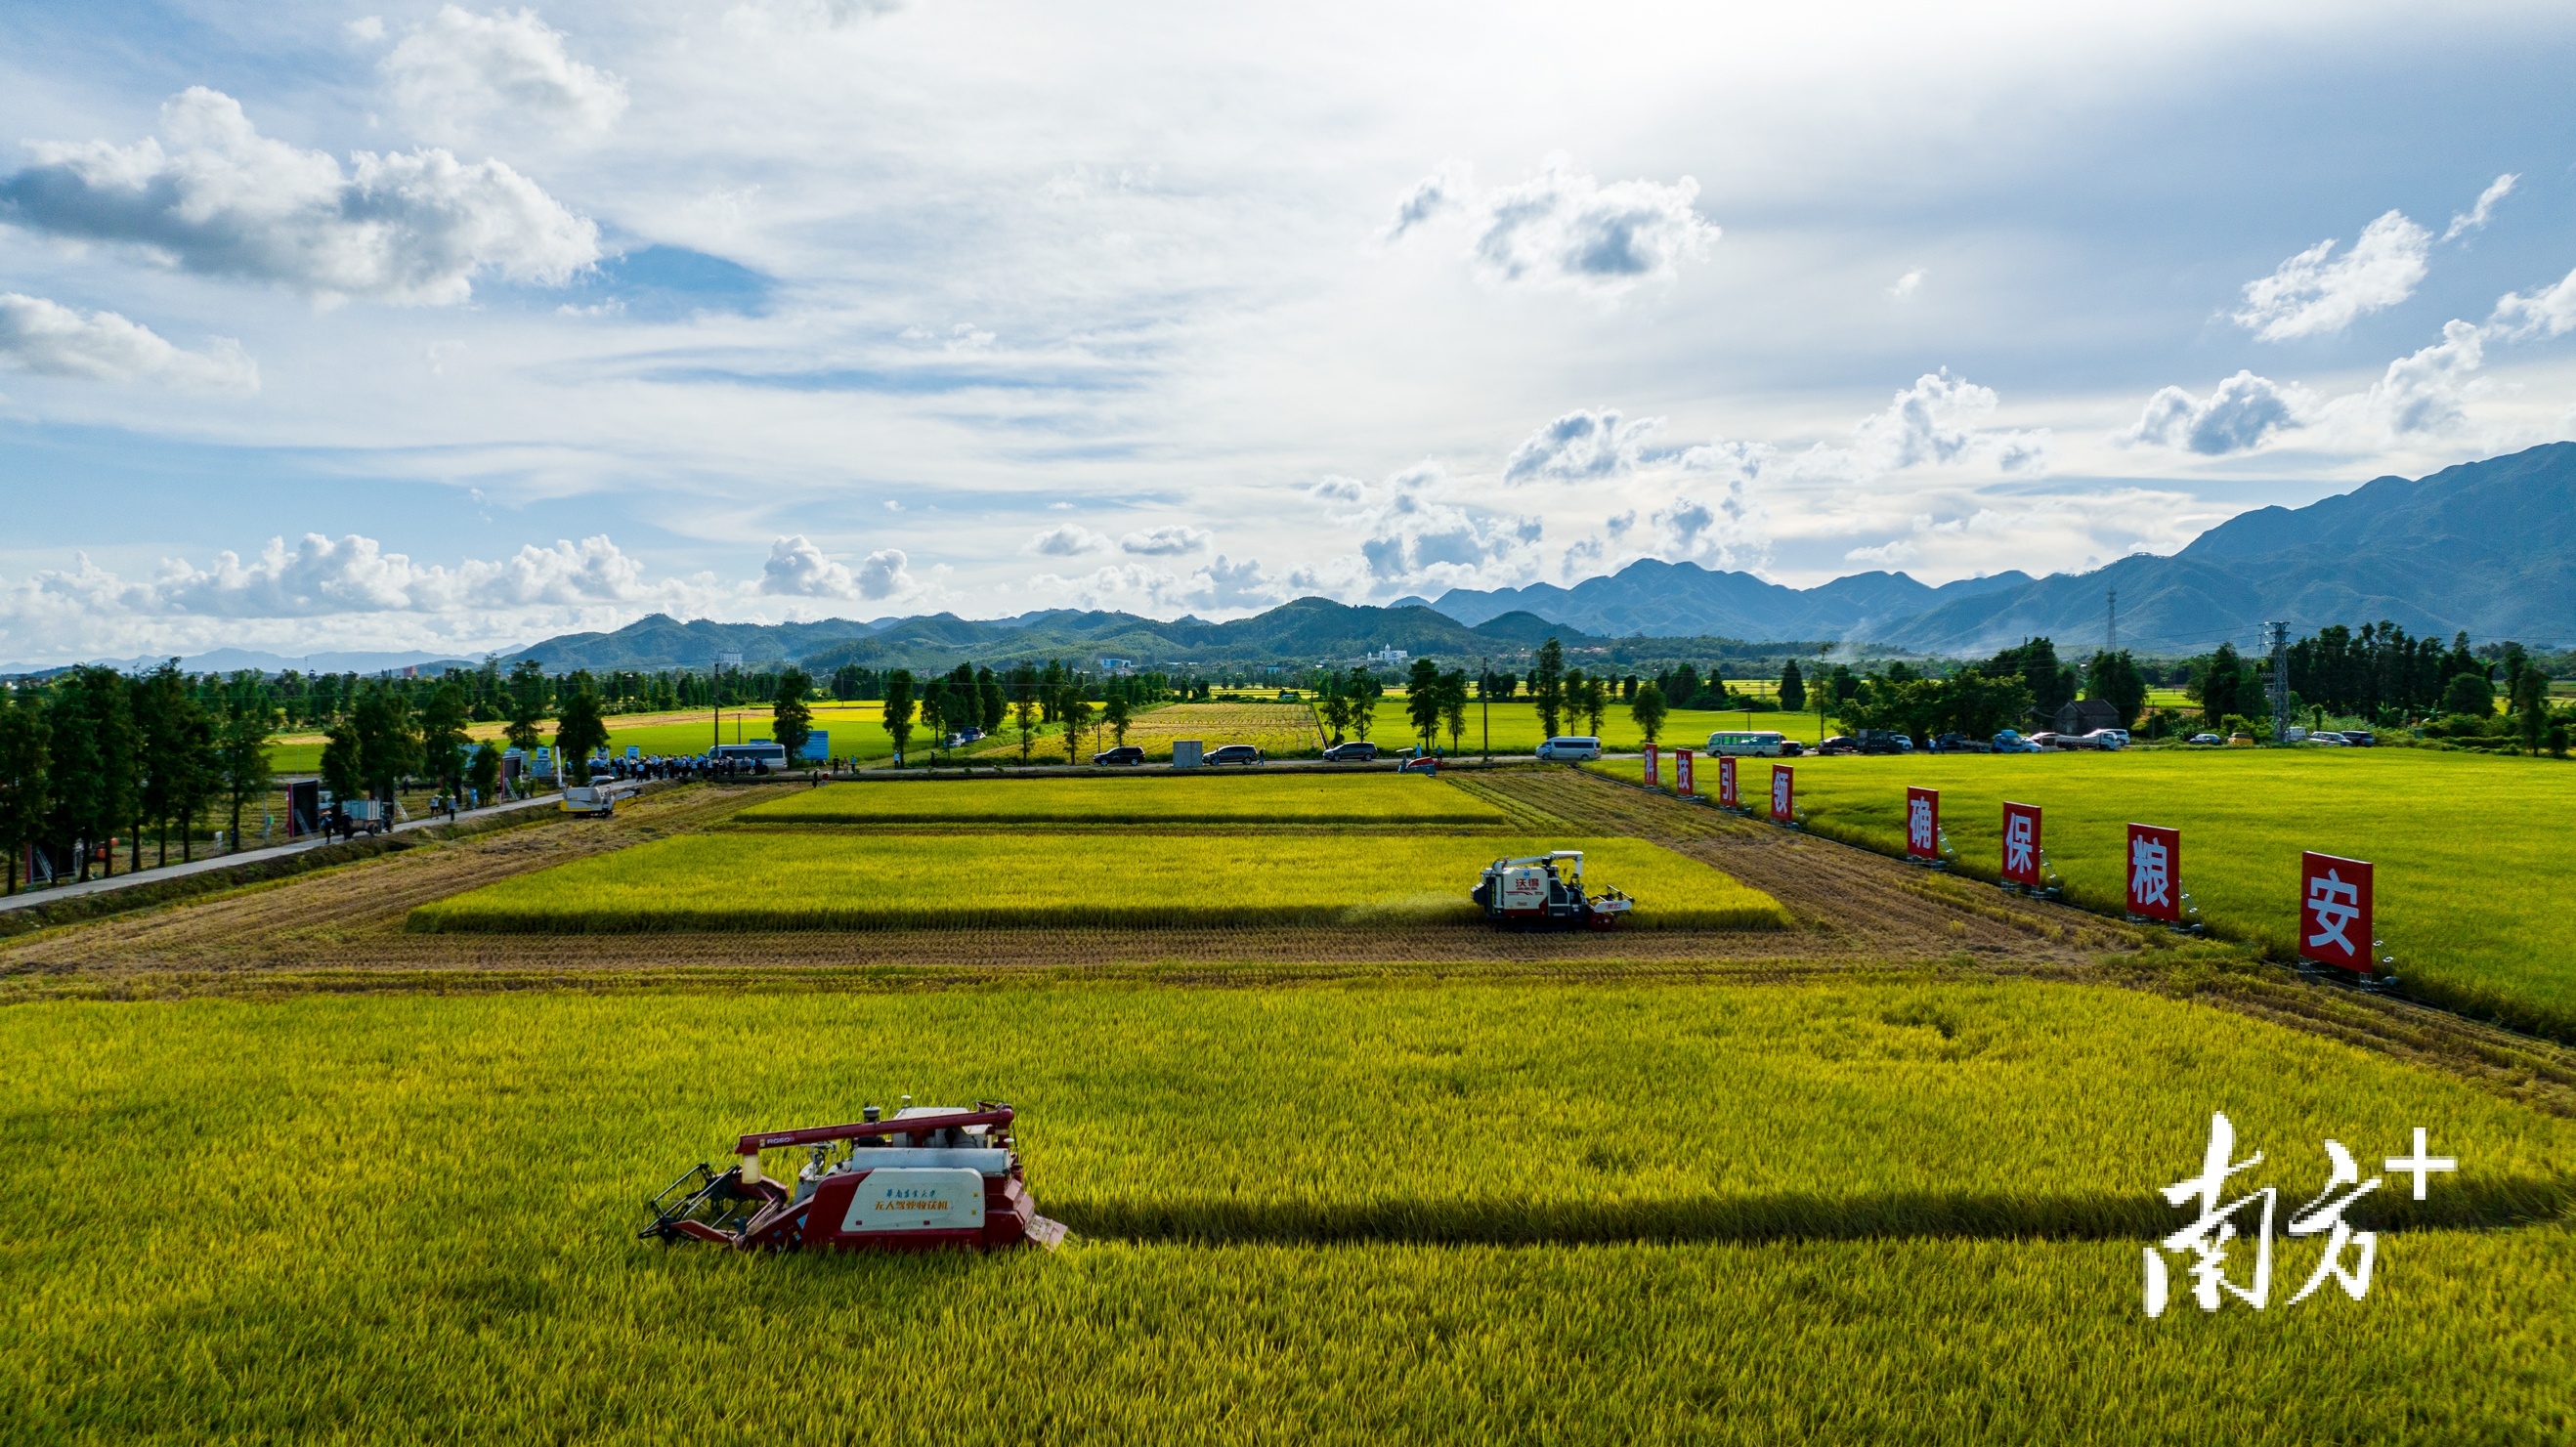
(90, 756)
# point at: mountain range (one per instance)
(1305, 632)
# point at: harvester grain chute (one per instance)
(1540, 891)
(932, 1176)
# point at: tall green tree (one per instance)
(97, 757)
(2531, 707)
(580, 731)
(484, 773)
(388, 739)
(1422, 701)
(164, 711)
(898, 710)
(1595, 703)
(1547, 686)
(1648, 710)
(25, 777)
(2469, 693)
(1025, 708)
(344, 767)
(524, 707)
(2221, 683)
(1793, 688)
(1364, 693)
(1453, 704)
(791, 719)
(199, 761)
(1116, 713)
(994, 703)
(443, 739)
(241, 758)
(1075, 711)
(2115, 680)
(1334, 705)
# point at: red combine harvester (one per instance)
(1533, 892)
(933, 1176)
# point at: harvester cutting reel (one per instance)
(1545, 891)
(932, 1176)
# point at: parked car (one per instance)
(2010, 741)
(2206, 739)
(1839, 744)
(2046, 739)
(1571, 748)
(1958, 743)
(2361, 738)
(1232, 754)
(1357, 751)
(1885, 741)
(1123, 754)
(2107, 740)
(2327, 739)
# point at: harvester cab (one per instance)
(1545, 891)
(931, 1176)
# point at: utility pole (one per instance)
(2277, 637)
(2111, 626)
(1485, 692)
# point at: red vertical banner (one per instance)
(1683, 783)
(1784, 794)
(2155, 872)
(1728, 796)
(1654, 777)
(2021, 845)
(2335, 921)
(1922, 823)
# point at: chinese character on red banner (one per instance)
(2021, 845)
(1683, 783)
(1922, 823)
(1653, 778)
(2334, 912)
(1784, 795)
(2155, 872)
(1726, 794)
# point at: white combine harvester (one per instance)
(1534, 892)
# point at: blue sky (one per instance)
(435, 326)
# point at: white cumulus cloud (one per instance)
(2425, 391)
(886, 573)
(2317, 293)
(1066, 540)
(1166, 542)
(799, 569)
(2238, 415)
(223, 200)
(1562, 227)
(54, 340)
(1580, 446)
(459, 73)
(1935, 422)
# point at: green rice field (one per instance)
(857, 731)
(2473, 855)
(1343, 1214)
(1202, 797)
(783, 880)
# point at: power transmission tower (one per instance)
(2111, 627)
(2276, 636)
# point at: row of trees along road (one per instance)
(1028, 696)
(91, 756)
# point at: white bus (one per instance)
(1755, 743)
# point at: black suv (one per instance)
(1123, 754)
(1885, 741)
(1233, 754)
(1357, 751)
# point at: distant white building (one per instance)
(1389, 657)
(1118, 665)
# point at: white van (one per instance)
(1571, 748)
(1756, 743)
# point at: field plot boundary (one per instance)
(1252, 800)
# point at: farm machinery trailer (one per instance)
(1534, 892)
(932, 1176)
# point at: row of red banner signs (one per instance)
(2336, 920)
(1784, 783)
